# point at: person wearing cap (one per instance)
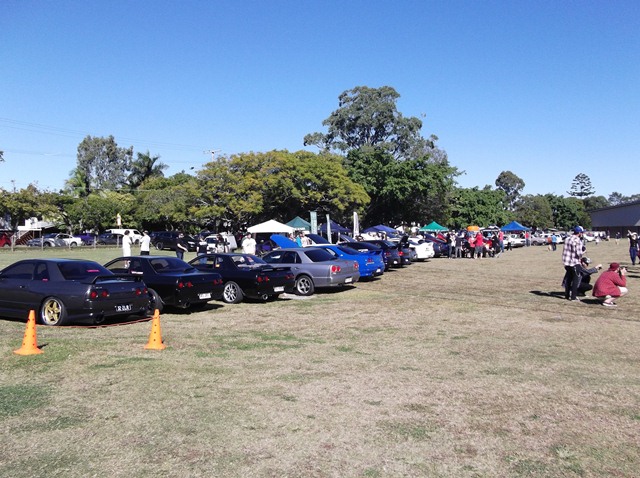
(611, 284)
(145, 243)
(633, 246)
(571, 255)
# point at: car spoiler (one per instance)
(129, 277)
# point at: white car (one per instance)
(424, 249)
(514, 239)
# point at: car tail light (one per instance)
(369, 260)
(262, 279)
(289, 276)
(217, 281)
(400, 253)
(99, 294)
(356, 266)
(335, 269)
(140, 291)
(182, 285)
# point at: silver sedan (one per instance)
(314, 267)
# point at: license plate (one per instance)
(124, 308)
(377, 270)
(278, 289)
(348, 279)
(206, 295)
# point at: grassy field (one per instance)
(449, 368)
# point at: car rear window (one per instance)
(81, 270)
(318, 255)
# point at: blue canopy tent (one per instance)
(380, 228)
(335, 228)
(514, 226)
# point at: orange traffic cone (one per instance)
(155, 338)
(29, 342)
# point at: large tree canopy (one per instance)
(511, 185)
(101, 165)
(369, 118)
(252, 187)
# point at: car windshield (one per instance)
(80, 270)
(318, 255)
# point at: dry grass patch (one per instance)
(450, 368)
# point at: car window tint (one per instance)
(80, 270)
(42, 272)
(273, 258)
(346, 250)
(19, 271)
(318, 255)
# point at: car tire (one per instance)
(46, 244)
(155, 302)
(159, 245)
(52, 312)
(232, 293)
(304, 285)
(73, 244)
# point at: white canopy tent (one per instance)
(272, 226)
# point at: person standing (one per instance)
(501, 240)
(554, 241)
(571, 255)
(126, 244)
(145, 243)
(478, 245)
(181, 246)
(611, 284)
(459, 243)
(633, 246)
(201, 249)
(249, 245)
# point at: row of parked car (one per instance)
(77, 290)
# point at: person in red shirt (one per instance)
(611, 284)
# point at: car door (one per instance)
(17, 291)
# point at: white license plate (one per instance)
(124, 308)
(348, 279)
(377, 270)
(206, 295)
(278, 289)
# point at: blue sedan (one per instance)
(371, 262)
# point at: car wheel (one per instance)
(46, 244)
(159, 245)
(304, 285)
(53, 311)
(232, 293)
(73, 244)
(155, 302)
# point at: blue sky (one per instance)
(545, 89)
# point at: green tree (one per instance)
(474, 206)
(101, 164)
(534, 211)
(511, 185)
(369, 118)
(251, 187)
(169, 203)
(143, 168)
(568, 212)
(595, 202)
(581, 186)
(402, 191)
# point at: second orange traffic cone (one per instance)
(30, 341)
(155, 338)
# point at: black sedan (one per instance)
(69, 290)
(246, 275)
(171, 281)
